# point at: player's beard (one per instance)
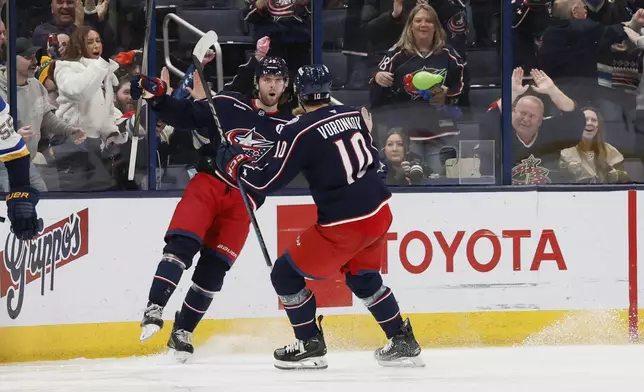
(269, 100)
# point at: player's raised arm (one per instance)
(179, 113)
(288, 156)
(22, 198)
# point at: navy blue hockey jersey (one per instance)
(240, 120)
(333, 148)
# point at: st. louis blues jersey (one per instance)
(333, 148)
(242, 122)
(11, 144)
(13, 150)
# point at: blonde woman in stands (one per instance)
(593, 160)
(397, 103)
(422, 46)
(86, 85)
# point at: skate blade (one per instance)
(181, 356)
(313, 363)
(147, 331)
(404, 362)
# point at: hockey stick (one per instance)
(139, 104)
(201, 48)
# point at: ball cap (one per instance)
(26, 48)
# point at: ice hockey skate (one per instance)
(181, 342)
(152, 321)
(402, 350)
(309, 354)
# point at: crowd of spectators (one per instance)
(577, 96)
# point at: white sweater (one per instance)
(86, 95)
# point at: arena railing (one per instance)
(166, 48)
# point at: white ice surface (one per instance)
(543, 369)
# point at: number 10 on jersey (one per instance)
(361, 154)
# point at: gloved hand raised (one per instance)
(149, 88)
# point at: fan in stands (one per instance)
(211, 217)
(332, 146)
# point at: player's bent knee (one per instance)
(286, 280)
(183, 248)
(366, 286)
(297, 298)
(210, 271)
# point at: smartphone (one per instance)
(52, 45)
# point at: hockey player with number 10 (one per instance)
(332, 146)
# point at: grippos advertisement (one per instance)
(25, 262)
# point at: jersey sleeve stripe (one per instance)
(292, 147)
(279, 120)
(232, 99)
(19, 145)
(18, 151)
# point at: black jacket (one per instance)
(285, 24)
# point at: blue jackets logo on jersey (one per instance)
(254, 144)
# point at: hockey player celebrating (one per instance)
(211, 217)
(332, 146)
(245, 81)
(22, 198)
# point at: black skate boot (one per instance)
(152, 321)
(308, 354)
(181, 342)
(402, 350)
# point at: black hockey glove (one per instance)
(206, 163)
(21, 206)
(230, 159)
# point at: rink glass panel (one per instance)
(62, 161)
(460, 145)
(445, 143)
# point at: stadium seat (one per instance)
(482, 98)
(618, 135)
(337, 64)
(228, 24)
(203, 4)
(333, 22)
(352, 97)
(480, 101)
(484, 67)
